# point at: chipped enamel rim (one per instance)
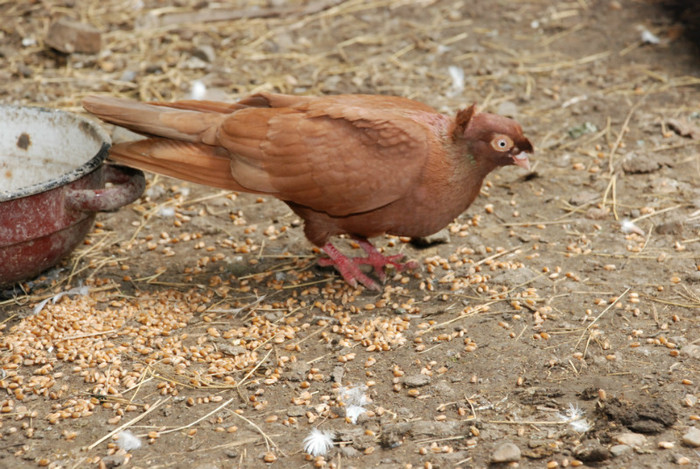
(42, 149)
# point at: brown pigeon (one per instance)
(360, 165)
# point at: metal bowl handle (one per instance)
(128, 186)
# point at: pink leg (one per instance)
(377, 260)
(349, 269)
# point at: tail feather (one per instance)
(182, 144)
(202, 106)
(194, 162)
(155, 120)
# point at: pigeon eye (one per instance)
(502, 143)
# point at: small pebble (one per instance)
(619, 450)
(205, 52)
(631, 439)
(506, 452)
(692, 438)
(69, 36)
(692, 351)
(689, 400)
(591, 451)
(441, 237)
(415, 381)
(115, 460)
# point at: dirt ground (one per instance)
(554, 324)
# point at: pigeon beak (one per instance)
(522, 160)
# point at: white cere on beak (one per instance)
(522, 160)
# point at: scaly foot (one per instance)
(349, 268)
(378, 260)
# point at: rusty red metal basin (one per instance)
(52, 183)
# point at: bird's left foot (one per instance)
(349, 267)
(378, 260)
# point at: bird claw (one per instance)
(379, 261)
(349, 268)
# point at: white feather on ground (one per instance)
(128, 441)
(318, 442)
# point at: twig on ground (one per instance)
(158, 403)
